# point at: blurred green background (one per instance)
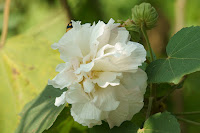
(27, 60)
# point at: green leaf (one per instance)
(183, 57)
(40, 113)
(161, 123)
(139, 118)
(126, 127)
(66, 124)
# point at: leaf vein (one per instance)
(184, 47)
(180, 41)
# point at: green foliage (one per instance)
(161, 123)
(126, 127)
(191, 100)
(139, 118)
(66, 124)
(183, 57)
(40, 113)
(161, 90)
(89, 11)
(117, 9)
(191, 13)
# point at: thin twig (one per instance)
(187, 113)
(188, 121)
(5, 23)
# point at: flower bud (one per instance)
(144, 14)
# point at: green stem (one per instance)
(152, 90)
(149, 107)
(188, 121)
(187, 113)
(147, 41)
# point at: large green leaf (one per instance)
(26, 63)
(161, 123)
(183, 57)
(125, 127)
(40, 113)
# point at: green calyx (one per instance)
(144, 14)
(133, 29)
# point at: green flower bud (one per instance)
(144, 14)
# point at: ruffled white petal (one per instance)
(66, 44)
(106, 99)
(135, 80)
(106, 78)
(87, 111)
(122, 58)
(75, 94)
(88, 86)
(105, 37)
(136, 103)
(60, 100)
(122, 36)
(84, 68)
(62, 66)
(85, 122)
(96, 33)
(63, 79)
(116, 117)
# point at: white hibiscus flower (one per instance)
(101, 73)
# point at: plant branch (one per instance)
(188, 121)
(5, 23)
(187, 113)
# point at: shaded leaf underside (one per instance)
(40, 113)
